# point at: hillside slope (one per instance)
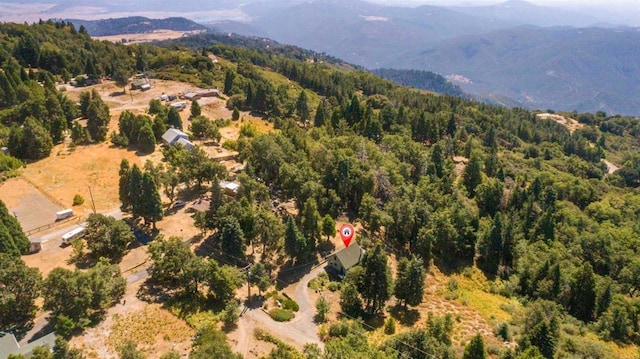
(589, 69)
(135, 24)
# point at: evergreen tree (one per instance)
(375, 283)
(135, 191)
(491, 247)
(56, 119)
(13, 241)
(232, 239)
(350, 301)
(195, 109)
(173, 118)
(146, 139)
(302, 107)
(475, 349)
(150, 201)
(311, 221)
(84, 100)
(229, 76)
(328, 227)
(235, 115)
(472, 175)
(260, 277)
(582, 296)
(97, 118)
(409, 285)
(321, 114)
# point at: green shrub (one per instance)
(281, 315)
(390, 326)
(334, 286)
(290, 304)
(78, 200)
(230, 145)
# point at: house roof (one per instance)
(350, 256)
(9, 345)
(172, 135)
(201, 205)
(185, 143)
(232, 186)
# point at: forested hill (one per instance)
(135, 25)
(425, 80)
(518, 206)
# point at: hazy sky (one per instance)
(633, 4)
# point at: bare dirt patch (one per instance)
(155, 35)
(569, 123)
(30, 206)
(152, 328)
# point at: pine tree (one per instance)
(375, 284)
(232, 239)
(475, 349)
(135, 191)
(321, 115)
(123, 186)
(582, 296)
(302, 107)
(173, 118)
(195, 109)
(12, 238)
(311, 221)
(150, 201)
(146, 139)
(229, 76)
(409, 286)
(97, 118)
(472, 175)
(491, 247)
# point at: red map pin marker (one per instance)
(346, 232)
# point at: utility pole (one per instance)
(93, 204)
(249, 287)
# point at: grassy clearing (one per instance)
(473, 291)
(148, 328)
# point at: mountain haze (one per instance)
(590, 69)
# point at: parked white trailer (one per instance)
(64, 214)
(77, 232)
(181, 105)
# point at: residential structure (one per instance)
(343, 260)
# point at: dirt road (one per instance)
(297, 332)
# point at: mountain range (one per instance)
(515, 53)
(506, 51)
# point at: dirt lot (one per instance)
(30, 206)
(147, 36)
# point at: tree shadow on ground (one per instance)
(373, 321)
(451, 266)
(291, 273)
(405, 316)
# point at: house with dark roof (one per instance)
(343, 260)
(9, 345)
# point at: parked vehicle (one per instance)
(64, 214)
(77, 232)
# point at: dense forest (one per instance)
(434, 179)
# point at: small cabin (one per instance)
(35, 245)
(343, 260)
